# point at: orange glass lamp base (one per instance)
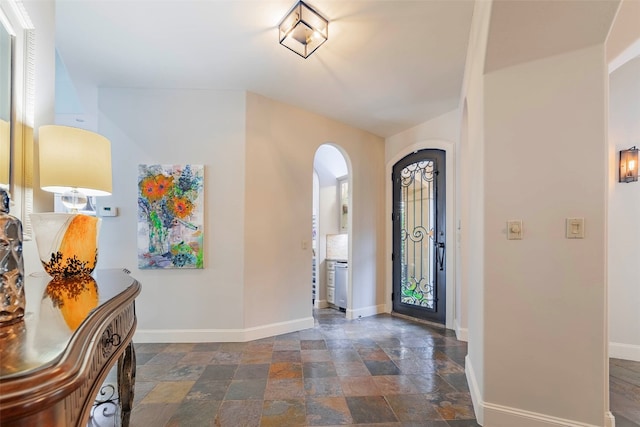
(67, 243)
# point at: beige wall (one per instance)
(545, 295)
(177, 127)
(280, 148)
(539, 302)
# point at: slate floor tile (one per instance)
(377, 367)
(318, 369)
(168, 392)
(370, 409)
(194, 413)
(413, 407)
(327, 411)
(288, 388)
(246, 389)
(359, 386)
(252, 371)
(322, 387)
(284, 370)
(283, 413)
(234, 413)
(212, 390)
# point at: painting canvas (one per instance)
(170, 216)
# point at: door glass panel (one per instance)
(417, 222)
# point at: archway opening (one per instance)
(330, 234)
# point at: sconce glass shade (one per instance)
(303, 30)
(74, 159)
(629, 165)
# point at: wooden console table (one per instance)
(53, 363)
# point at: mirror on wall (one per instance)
(6, 65)
(17, 82)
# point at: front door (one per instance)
(419, 265)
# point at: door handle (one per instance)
(440, 255)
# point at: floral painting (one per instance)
(170, 216)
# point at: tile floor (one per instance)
(382, 371)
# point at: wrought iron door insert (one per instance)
(419, 235)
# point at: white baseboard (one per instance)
(492, 415)
(476, 395)
(320, 303)
(462, 334)
(221, 335)
(365, 312)
(609, 420)
(624, 351)
(504, 416)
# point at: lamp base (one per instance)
(67, 243)
(74, 200)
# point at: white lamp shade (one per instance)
(72, 158)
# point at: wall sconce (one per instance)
(629, 165)
(303, 30)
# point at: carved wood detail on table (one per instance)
(62, 392)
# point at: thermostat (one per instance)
(108, 211)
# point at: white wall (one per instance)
(545, 295)
(472, 203)
(179, 127)
(624, 212)
(281, 145)
(444, 128)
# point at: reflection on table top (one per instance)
(55, 309)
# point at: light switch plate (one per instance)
(514, 229)
(575, 228)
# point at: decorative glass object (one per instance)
(75, 297)
(67, 243)
(12, 300)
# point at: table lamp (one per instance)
(76, 163)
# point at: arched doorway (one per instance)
(330, 228)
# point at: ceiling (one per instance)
(387, 66)
(523, 31)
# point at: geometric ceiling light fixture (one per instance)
(303, 30)
(629, 165)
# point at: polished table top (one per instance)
(54, 310)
